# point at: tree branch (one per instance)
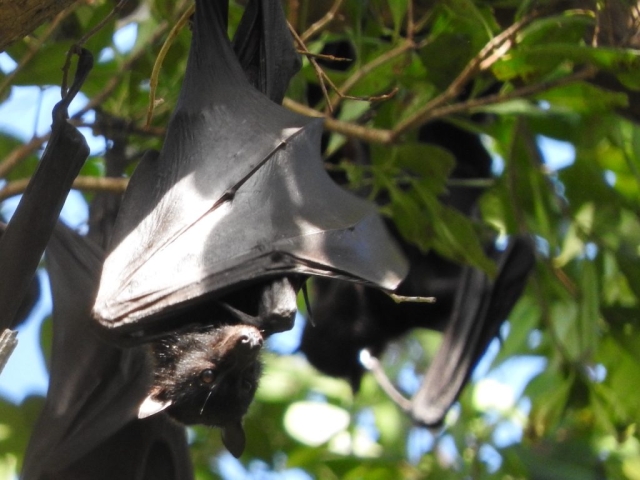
(18, 19)
(323, 22)
(366, 69)
(33, 49)
(367, 134)
(8, 342)
(387, 137)
(425, 115)
(84, 183)
(482, 61)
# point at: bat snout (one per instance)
(250, 337)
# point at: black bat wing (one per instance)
(95, 388)
(237, 194)
(264, 47)
(25, 237)
(480, 308)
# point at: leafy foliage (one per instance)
(560, 72)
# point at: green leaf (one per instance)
(629, 263)
(589, 315)
(539, 60)
(442, 69)
(565, 28)
(431, 163)
(523, 320)
(457, 239)
(549, 393)
(46, 66)
(398, 11)
(582, 97)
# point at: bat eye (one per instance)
(207, 376)
(247, 385)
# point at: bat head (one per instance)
(341, 326)
(348, 318)
(207, 376)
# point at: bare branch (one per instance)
(20, 153)
(366, 69)
(367, 134)
(33, 49)
(482, 61)
(431, 114)
(323, 22)
(160, 58)
(405, 299)
(126, 67)
(8, 342)
(87, 184)
(387, 137)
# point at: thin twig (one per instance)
(372, 364)
(410, 21)
(323, 56)
(405, 299)
(126, 67)
(367, 134)
(153, 83)
(323, 22)
(75, 47)
(322, 77)
(387, 137)
(421, 24)
(20, 153)
(319, 72)
(482, 61)
(293, 12)
(84, 183)
(425, 115)
(366, 69)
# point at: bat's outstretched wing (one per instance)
(95, 389)
(237, 194)
(481, 306)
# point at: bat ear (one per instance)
(240, 315)
(151, 405)
(233, 438)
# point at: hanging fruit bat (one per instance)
(469, 307)
(469, 310)
(237, 197)
(203, 375)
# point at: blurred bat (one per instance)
(237, 197)
(480, 307)
(469, 307)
